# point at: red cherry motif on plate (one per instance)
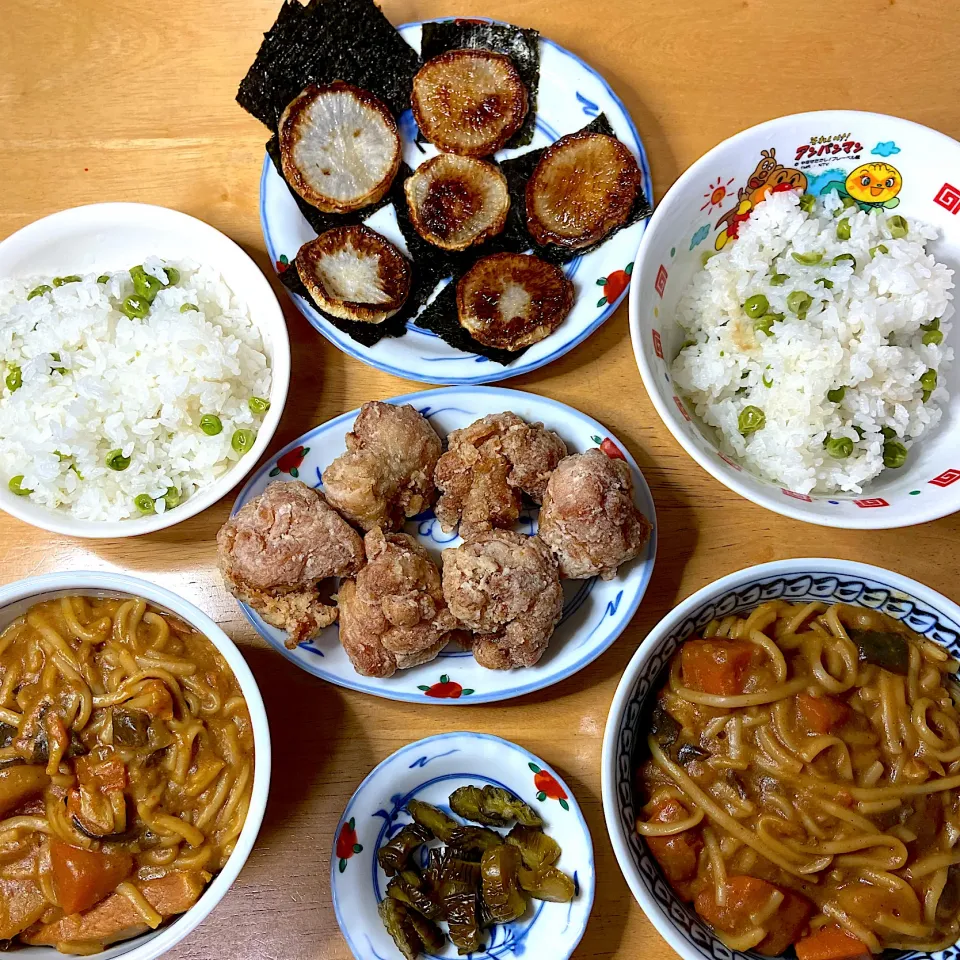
(609, 448)
(614, 284)
(347, 844)
(283, 264)
(547, 786)
(446, 689)
(291, 462)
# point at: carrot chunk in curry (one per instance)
(676, 854)
(716, 666)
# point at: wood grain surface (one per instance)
(121, 100)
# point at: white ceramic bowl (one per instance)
(16, 597)
(842, 581)
(114, 236)
(685, 225)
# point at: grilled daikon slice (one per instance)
(456, 202)
(339, 147)
(355, 274)
(510, 300)
(469, 102)
(584, 187)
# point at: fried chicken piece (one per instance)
(487, 467)
(506, 588)
(386, 475)
(589, 518)
(393, 615)
(278, 548)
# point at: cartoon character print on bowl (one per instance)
(769, 176)
(825, 587)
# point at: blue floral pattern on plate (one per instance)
(431, 770)
(815, 583)
(595, 611)
(570, 94)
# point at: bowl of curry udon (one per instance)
(134, 766)
(781, 766)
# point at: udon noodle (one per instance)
(801, 785)
(126, 768)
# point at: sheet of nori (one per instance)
(440, 317)
(522, 45)
(518, 171)
(328, 40)
(319, 220)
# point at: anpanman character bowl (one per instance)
(912, 170)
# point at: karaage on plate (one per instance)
(393, 615)
(386, 473)
(589, 518)
(488, 466)
(506, 588)
(277, 550)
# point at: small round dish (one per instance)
(815, 151)
(595, 611)
(430, 770)
(17, 597)
(571, 94)
(923, 610)
(115, 236)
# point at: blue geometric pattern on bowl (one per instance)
(595, 611)
(431, 770)
(823, 586)
(571, 93)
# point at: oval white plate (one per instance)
(571, 94)
(430, 770)
(595, 611)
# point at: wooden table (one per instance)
(120, 100)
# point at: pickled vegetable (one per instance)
(435, 821)
(459, 897)
(398, 919)
(536, 848)
(431, 936)
(394, 856)
(474, 841)
(410, 888)
(500, 884)
(492, 806)
(548, 883)
(460, 912)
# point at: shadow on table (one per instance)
(303, 755)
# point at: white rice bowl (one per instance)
(135, 385)
(863, 334)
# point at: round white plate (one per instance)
(571, 94)
(430, 770)
(595, 611)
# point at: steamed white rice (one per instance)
(137, 385)
(863, 334)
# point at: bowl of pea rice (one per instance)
(792, 315)
(144, 366)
